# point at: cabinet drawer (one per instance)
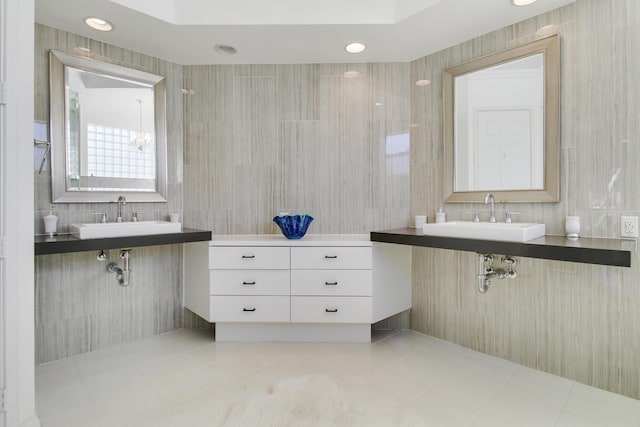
(246, 257)
(250, 308)
(331, 282)
(331, 309)
(348, 258)
(249, 282)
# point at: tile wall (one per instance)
(574, 320)
(263, 139)
(257, 140)
(331, 140)
(79, 306)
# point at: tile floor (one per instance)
(182, 378)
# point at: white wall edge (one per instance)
(17, 167)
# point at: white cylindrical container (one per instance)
(419, 221)
(440, 215)
(174, 217)
(572, 227)
(50, 223)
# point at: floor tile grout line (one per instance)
(564, 403)
(495, 395)
(403, 357)
(129, 355)
(193, 367)
(432, 386)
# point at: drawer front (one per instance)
(345, 258)
(249, 282)
(331, 282)
(250, 308)
(248, 257)
(331, 309)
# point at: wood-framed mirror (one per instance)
(502, 124)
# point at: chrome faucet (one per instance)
(122, 201)
(489, 199)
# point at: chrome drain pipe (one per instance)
(122, 274)
(483, 282)
(486, 272)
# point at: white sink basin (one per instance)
(122, 229)
(511, 232)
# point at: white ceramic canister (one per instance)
(572, 227)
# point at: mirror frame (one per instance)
(550, 47)
(57, 125)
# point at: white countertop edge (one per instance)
(280, 240)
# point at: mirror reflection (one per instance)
(110, 138)
(106, 144)
(501, 125)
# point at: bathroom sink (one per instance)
(511, 232)
(122, 229)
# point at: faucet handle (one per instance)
(134, 216)
(103, 216)
(507, 216)
(476, 217)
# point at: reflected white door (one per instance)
(504, 149)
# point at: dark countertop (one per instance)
(586, 250)
(64, 243)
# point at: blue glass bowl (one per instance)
(293, 226)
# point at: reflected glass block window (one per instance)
(110, 153)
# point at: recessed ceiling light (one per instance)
(423, 82)
(355, 47)
(522, 2)
(98, 23)
(225, 49)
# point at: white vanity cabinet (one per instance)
(320, 288)
(248, 284)
(331, 284)
(249, 258)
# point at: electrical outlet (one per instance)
(629, 226)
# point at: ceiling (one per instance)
(287, 31)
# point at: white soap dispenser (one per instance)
(440, 215)
(50, 223)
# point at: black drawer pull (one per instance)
(331, 310)
(249, 309)
(248, 283)
(331, 256)
(331, 283)
(248, 256)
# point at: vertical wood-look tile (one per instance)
(301, 166)
(254, 70)
(79, 306)
(570, 319)
(322, 125)
(255, 114)
(297, 92)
